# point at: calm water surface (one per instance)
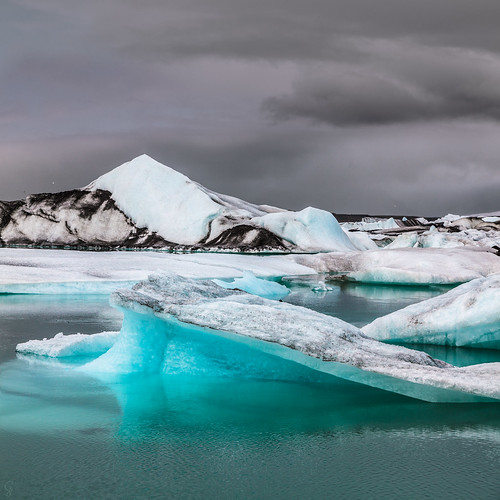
(67, 435)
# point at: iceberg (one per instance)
(256, 286)
(169, 320)
(407, 266)
(30, 271)
(145, 204)
(361, 240)
(73, 345)
(310, 230)
(468, 315)
(371, 224)
(144, 188)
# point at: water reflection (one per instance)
(36, 398)
(356, 303)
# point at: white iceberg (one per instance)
(433, 238)
(321, 287)
(64, 271)
(181, 211)
(168, 320)
(311, 229)
(468, 315)
(153, 195)
(406, 240)
(361, 240)
(256, 286)
(371, 224)
(73, 345)
(407, 266)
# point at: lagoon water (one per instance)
(68, 435)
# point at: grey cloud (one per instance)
(282, 29)
(404, 83)
(88, 85)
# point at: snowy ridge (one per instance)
(468, 315)
(200, 310)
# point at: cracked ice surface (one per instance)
(468, 315)
(189, 309)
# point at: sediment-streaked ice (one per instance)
(168, 317)
(256, 286)
(468, 315)
(181, 211)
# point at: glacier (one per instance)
(468, 315)
(256, 286)
(179, 325)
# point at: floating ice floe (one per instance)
(468, 315)
(438, 239)
(72, 345)
(321, 287)
(371, 224)
(64, 271)
(173, 324)
(256, 286)
(407, 266)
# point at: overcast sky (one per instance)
(362, 106)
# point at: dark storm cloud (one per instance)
(89, 85)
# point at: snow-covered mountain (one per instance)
(143, 203)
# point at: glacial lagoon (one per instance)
(67, 434)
